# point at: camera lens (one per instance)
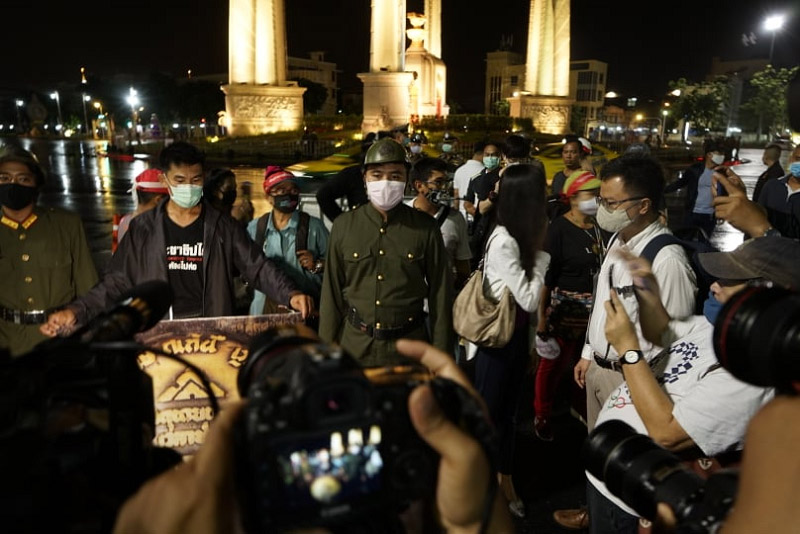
(638, 471)
(757, 336)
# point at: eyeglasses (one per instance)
(28, 180)
(443, 184)
(614, 204)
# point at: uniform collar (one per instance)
(14, 225)
(375, 216)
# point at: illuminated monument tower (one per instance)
(258, 98)
(428, 90)
(386, 85)
(546, 95)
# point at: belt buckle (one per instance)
(17, 316)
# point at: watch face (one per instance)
(632, 356)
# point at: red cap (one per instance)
(275, 175)
(149, 181)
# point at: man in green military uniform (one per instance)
(450, 152)
(384, 259)
(44, 259)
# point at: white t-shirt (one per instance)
(712, 406)
(454, 234)
(461, 179)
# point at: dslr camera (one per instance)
(324, 442)
(643, 474)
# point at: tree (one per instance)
(702, 103)
(314, 97)
(768, 98)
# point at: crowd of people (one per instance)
(573, 256)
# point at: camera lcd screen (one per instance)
(331, 469)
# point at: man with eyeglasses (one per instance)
(190, 245)
(44, 258)
(631, 191)
(385, 260)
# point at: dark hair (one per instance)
(517, 147)
(521, 209)
(500, 147)
(423, 169)
(478, 147)
(180, 153)
(573, 139)
(642, 176)
(713, 145)
(18, 154)
(214, 180)
(773, 152)
(144, 197)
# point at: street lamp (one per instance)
(86, 98)
(55, 96)
(773, 24)
(133, 102)
(664, 114)
(19, 103)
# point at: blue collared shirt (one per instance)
(279, 246)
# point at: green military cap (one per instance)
(385, 151)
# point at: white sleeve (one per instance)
(716, 412)
(677, 283)
(505, 254)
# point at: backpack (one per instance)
(301, 237)
(692, 247)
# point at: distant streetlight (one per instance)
(19, 103)
(773, 24)
(55, 96)
(664, 114)
(612, 94)
(86, 98)
(133, 102)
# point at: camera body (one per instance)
(322, 441)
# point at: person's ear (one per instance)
(646, 206)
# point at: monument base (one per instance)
(386, 100)
(259, 109)
(550, 114)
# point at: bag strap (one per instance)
(261, 230)
(443, 216)
(301, 237)
(655, 245)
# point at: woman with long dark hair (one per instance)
(514, 259)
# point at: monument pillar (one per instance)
(546, 96)
(429, 88)
(258, 98)
(386, 85)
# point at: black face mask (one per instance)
(229, 197)
(16, 197)
(286, 203)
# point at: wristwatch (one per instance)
(771, 232)
(631, 356)
(319, 266)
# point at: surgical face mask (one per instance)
(794, 169)
(416, 149)
(385, 194)
(717, 159)
(286, 203)
(491, 162)
(185, 195)
(588, 206)
(16, 196)
(613, 221)
(447, 147)
(711, 308)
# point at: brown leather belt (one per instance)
(23, 317)
(384, 333)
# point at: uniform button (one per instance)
(410, 319)
(380, 277)
(355, 254)
(383, 230)
(22, 237)
(410, 256)
(381, 252)
(28, 279)
(377, 325)
(30, 300)
(25, 257)
(377, 303)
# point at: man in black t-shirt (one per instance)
(185, 242)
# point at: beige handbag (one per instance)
(478, 319)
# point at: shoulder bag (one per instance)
(478, 319)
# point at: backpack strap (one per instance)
(261, 230)
(655, 245)
(443, 216)
(301, 237)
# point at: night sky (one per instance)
(646, 44)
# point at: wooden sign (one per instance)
(219, 347)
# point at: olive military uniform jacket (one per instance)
(227, 249)
(385, 270)
(44, 263)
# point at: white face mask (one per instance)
(613, 221)
(385, 194)
(588, 206)
(717, 159)
(416, 149)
